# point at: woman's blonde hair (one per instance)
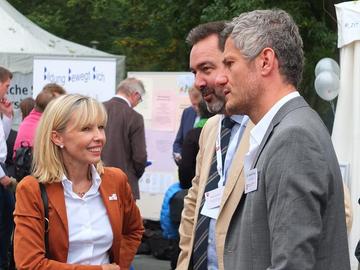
(48, 165)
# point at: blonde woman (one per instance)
(94, 222)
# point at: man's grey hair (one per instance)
(253, 31)
(131, 85)
(205, 30)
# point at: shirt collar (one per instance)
(95, 180)
(258, 131)
(124, 98)
(237, 118)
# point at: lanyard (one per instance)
(234, 139)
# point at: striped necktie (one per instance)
(199, 257)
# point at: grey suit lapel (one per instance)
(289, 106)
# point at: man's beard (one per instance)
(217, 104)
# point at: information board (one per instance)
(165, 99)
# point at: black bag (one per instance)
(177, 205)
(154, 241)
(159, 246)
(23, 159)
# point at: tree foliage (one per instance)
(151, 33)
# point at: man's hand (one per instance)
(177, 158)
(6, 107)
(5, 181)
(110, 267)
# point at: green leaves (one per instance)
(151, 33)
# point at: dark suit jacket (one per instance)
(29, 244)
(187, 122)
(295, 219)
(125, 146)
(189, 152)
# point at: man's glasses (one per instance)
(139, 97)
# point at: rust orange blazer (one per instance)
(29, 246)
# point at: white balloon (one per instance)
(327, 64)
(327, 85)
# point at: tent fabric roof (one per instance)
(21, 39)
(24, 36)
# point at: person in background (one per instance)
(292, 216)
(188, 120)
(94, 222)
(174, 196)
(6, 196)
(26, 106)
(190, 147)
(27, 128)
(55, 89)
(125, 132)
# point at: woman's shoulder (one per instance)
(28, 196)
(28, 183)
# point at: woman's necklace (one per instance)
(82, 191)
(81, 194)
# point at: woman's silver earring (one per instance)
(61, 146)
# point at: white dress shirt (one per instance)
(258, 132)
(90, 233)
(5, 126)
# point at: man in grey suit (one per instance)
(291, 215)
(125, 146)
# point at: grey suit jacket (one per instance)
(125, 146)
(295, 220)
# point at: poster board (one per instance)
(165, 99)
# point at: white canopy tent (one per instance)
(21, 39)
(346, 130)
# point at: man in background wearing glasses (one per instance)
(125, 146)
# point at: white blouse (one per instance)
(90, 233)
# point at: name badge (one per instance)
(213, 197)
(251, 181)
(212, 203)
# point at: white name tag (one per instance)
(212, 203)
(251, 181)
(213, 197)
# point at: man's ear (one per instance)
(267, 61)
(56, 138)
(132, 99)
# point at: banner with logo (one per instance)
(93, 77)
